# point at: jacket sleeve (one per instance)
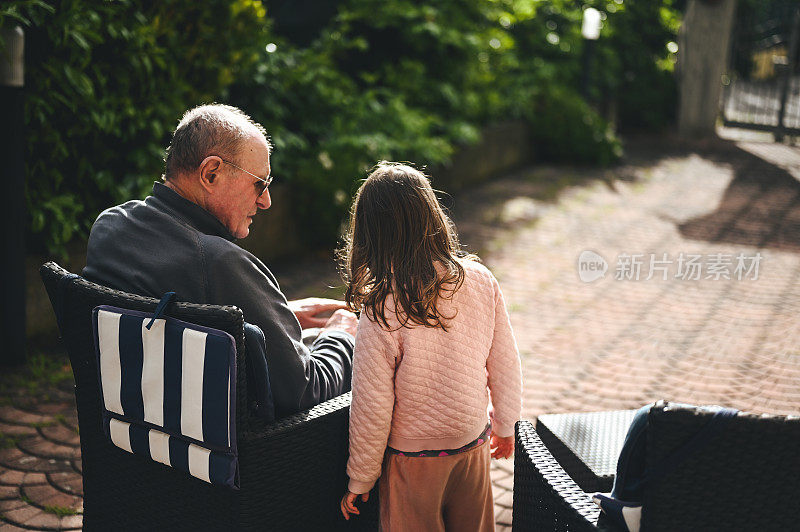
(299, 377)
(503, 368)
(374, 366)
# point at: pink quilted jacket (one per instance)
(421, 388)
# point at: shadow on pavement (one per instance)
(760, 207)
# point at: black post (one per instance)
(787, 78)
(12, 149)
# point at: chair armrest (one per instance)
(338, 405)
(305, 453)
(545, 497)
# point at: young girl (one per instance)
(434, 345)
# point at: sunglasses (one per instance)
(260, 187)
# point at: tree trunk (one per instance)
(702, 60)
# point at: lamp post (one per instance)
(590, 29)
(12, 147)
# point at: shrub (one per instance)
(389, 79)
(105, 84)
(643, 84)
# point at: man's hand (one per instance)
(342, 320)
(348, 504)
(308, 309)
(501, 447)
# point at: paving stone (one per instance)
(46, 495)
(505, 499)
(43, 520)
(54, 409)
(10, 454)
(71, 420)
(61, 434)
(16, 430)
(19, 516)
(9, 492)
(63, 500)
(67, 481)
(8, 527)
(37, 494)
(33, 478)
(12, 477)
(505, 464)
(506, 483)
(10, 504)
(17, 459)
(496, 474)
(503, 517)
(47, 449)
(72, 522)
(14, 416)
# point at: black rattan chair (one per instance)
(747, 478)
(292, 472)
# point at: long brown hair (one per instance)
(397, 232)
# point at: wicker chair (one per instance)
(292, 472)
(745, 479)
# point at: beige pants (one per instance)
(447, 493)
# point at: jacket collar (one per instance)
(191, 213)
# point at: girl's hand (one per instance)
(348, 504)
(501, 447)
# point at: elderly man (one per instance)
(181, 239)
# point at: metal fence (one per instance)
(762, 85)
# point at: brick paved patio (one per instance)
(599, 345)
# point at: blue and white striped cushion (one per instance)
(169, 392)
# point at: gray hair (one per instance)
(213, 129)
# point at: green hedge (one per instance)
(394, 79)
(105, 84)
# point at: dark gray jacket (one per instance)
(168, 243)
